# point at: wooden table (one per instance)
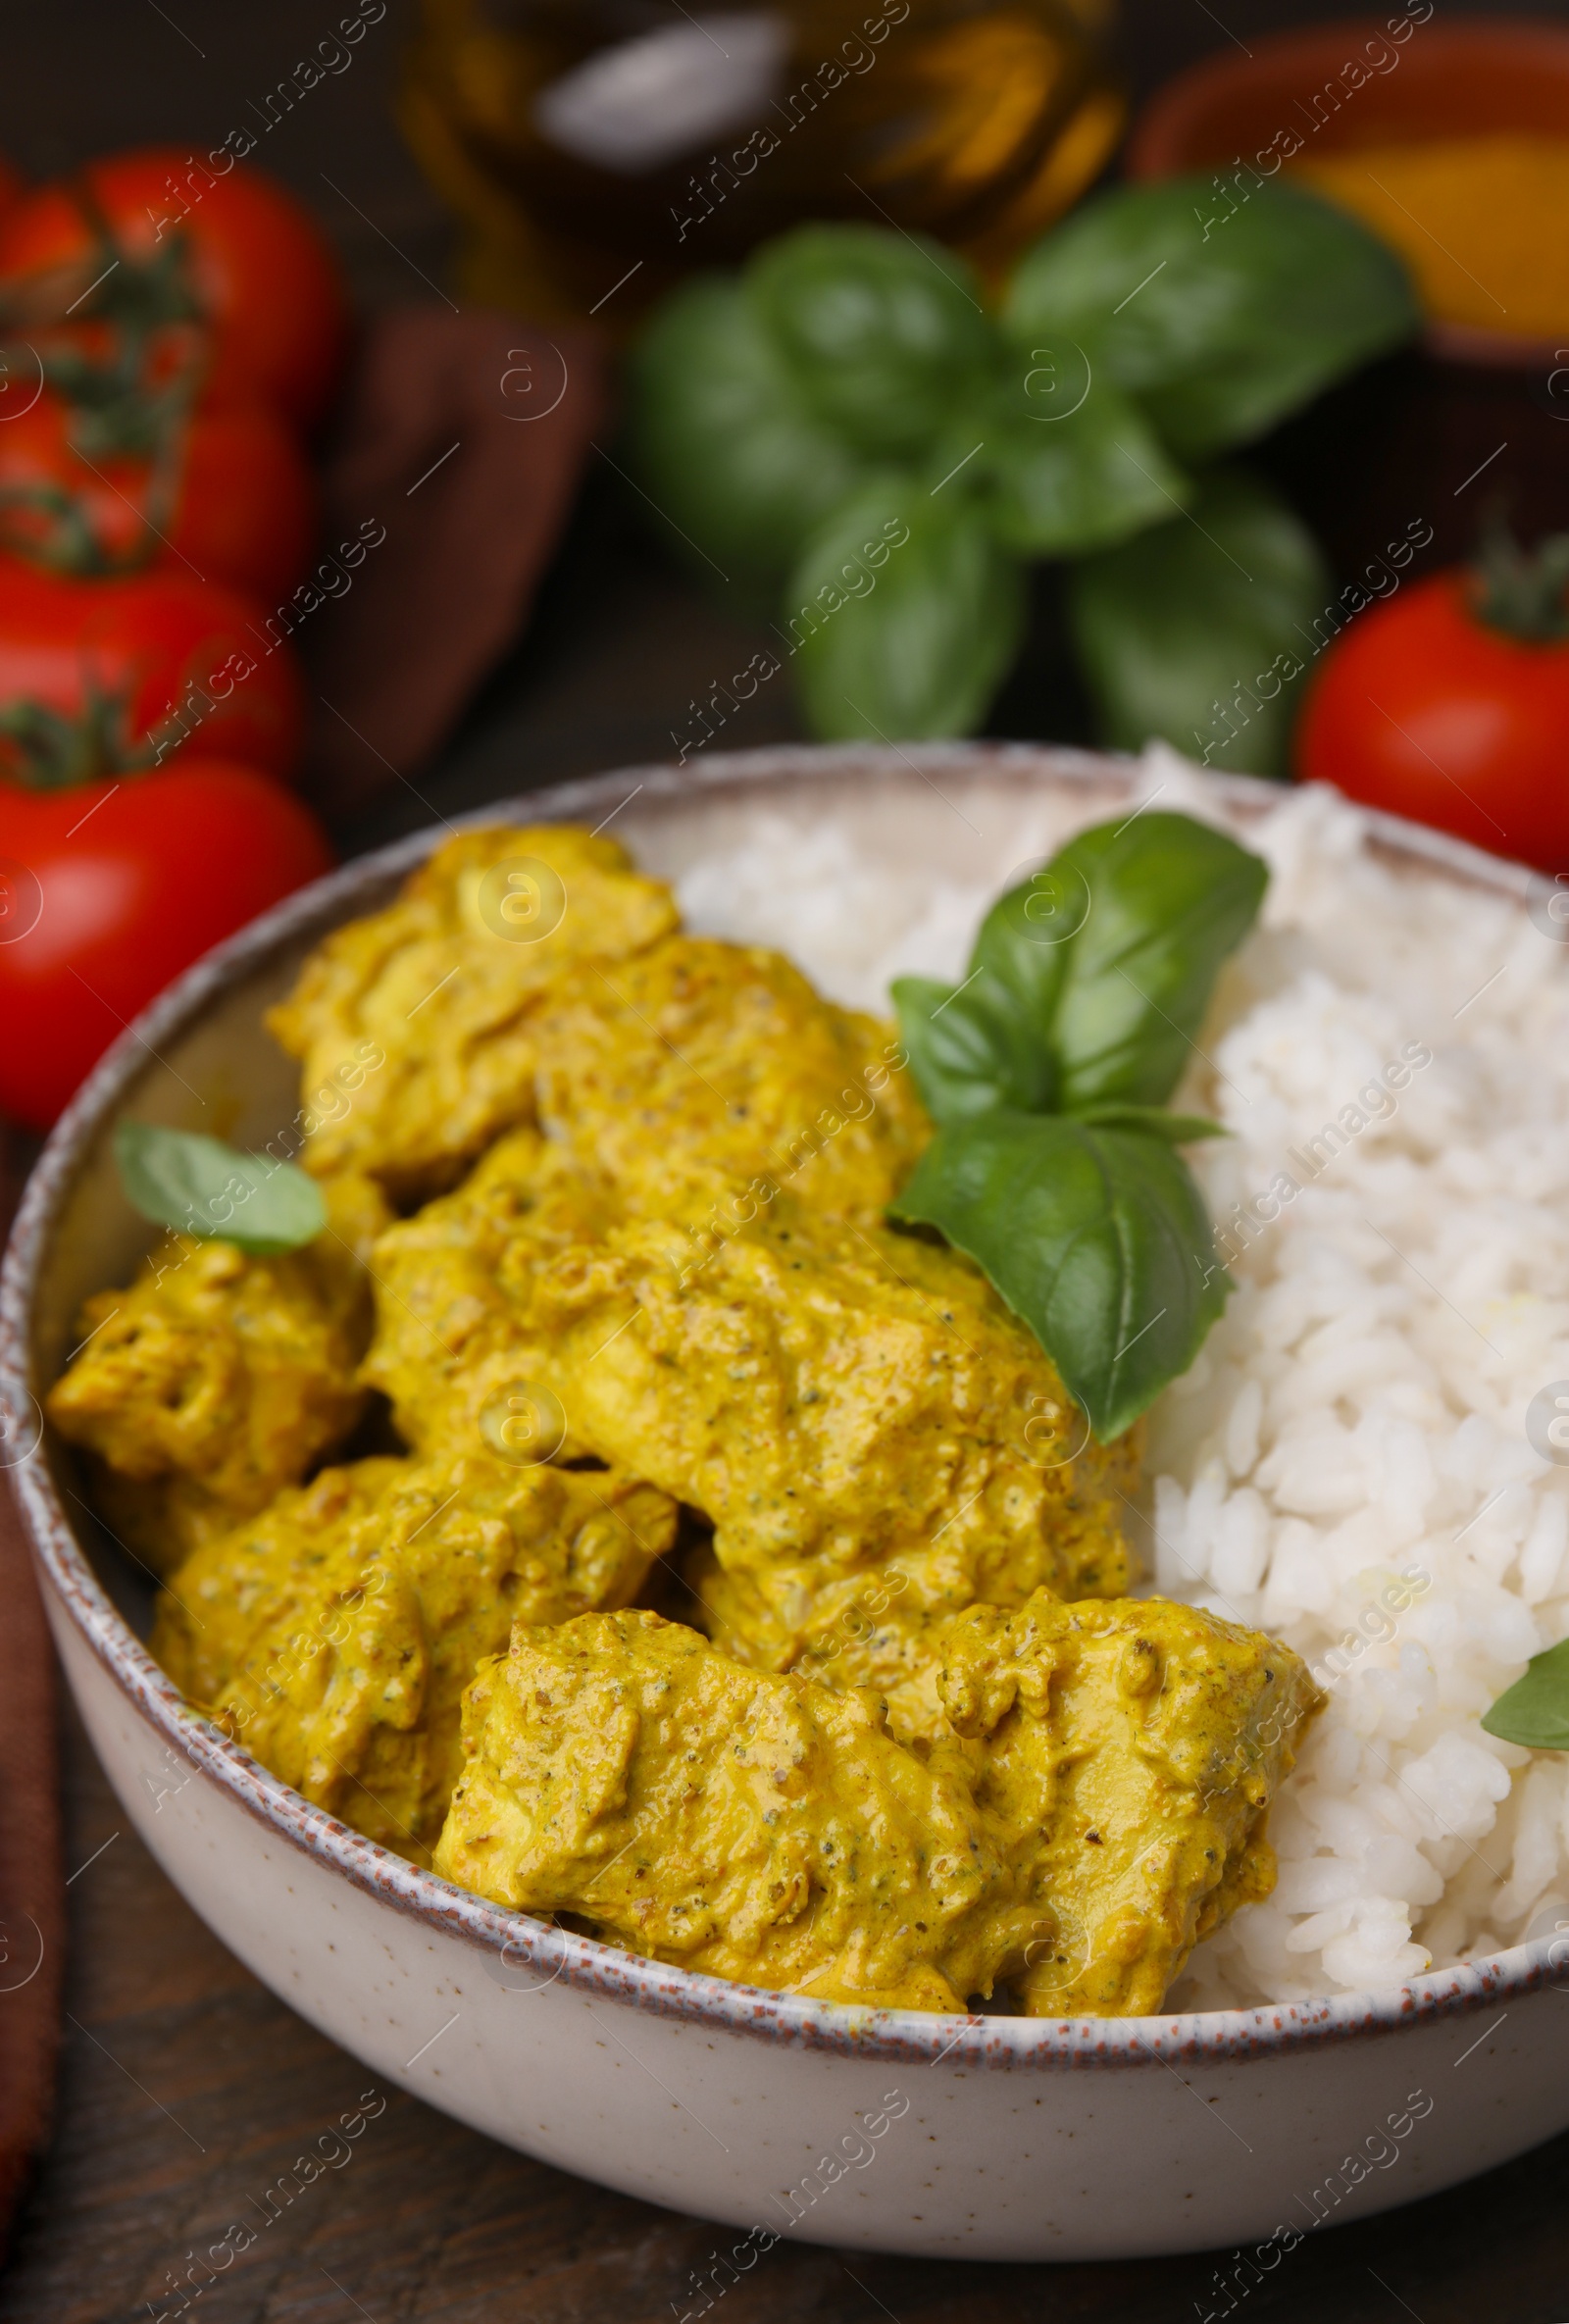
(186, 2088)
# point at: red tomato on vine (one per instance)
(1449, 703)
(155, 238)
(107, 677)
(110, 889)
(96, 486)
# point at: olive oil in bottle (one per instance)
(597, 151)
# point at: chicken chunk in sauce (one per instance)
(334, 1635)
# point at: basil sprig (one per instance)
(1054, 1166)
(1534, 1710)
(200, 1186)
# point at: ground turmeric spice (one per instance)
(1482, 222)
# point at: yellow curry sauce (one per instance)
(607, 1236)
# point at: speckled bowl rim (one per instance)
(555, 1954)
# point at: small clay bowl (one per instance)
(1471, 414)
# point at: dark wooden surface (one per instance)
(187, 2088)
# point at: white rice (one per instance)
(1346, 1464)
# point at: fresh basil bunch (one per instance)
(1047, 1069)
(849, 365)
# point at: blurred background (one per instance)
(623, 640)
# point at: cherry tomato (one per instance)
(108, 890)
(226, 494)
(246, 513)
(210, 237)
(1427, 709)
(103, 676)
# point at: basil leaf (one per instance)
(987, 1041)
(1024, 943)
(1534, 1710)
(1178, 1130)
(1055, 486)
(881, 333)
(1120, 997)
(1200, 631)
(722, 443)
(1089, 981)
(202, 1187)
(1096, 1239)
(1221, 319)
(906, 614)
(969, 1050)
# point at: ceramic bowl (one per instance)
(997, 2137)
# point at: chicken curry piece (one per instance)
(444, 981)
(334, 1635)
(1123, 1756)
(754, 1826)
(607, 1233)
(215, 1380)
(700, 1079)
